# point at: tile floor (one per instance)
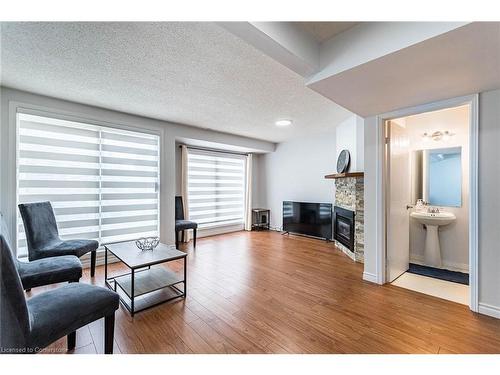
(438, 288)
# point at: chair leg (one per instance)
(176, 239)
(109, 333)
(92, 263)
(72, 340)
(194, 238)
(183, 236)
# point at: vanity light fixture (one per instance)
(437, 136)
(283, 123)
(447, 135)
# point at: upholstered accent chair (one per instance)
(49, 271)
(43, 239)
(27, 326)
(181, 225)
(45, 271)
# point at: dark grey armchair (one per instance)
(26, 326)
(42, 235)
(181, 225)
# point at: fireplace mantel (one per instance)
(345, 175)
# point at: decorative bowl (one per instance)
(147, 243)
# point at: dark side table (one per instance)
(261, 218)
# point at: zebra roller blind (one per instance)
(103, 183)
(216, 188)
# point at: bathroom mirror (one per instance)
(437, 176)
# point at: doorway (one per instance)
(430, 195)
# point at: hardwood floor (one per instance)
(260, 292)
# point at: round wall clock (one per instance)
(343, 161)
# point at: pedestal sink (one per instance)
(432, 221)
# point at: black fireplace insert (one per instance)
(343, 227)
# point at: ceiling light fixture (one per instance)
(283, 122)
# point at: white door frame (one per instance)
(472, 101)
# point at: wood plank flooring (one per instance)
(260, 292)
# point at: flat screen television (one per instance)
(311, 219)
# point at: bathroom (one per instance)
(428, 167)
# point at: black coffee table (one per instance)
(149, 281)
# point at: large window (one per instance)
(216, 188)
(102, 182)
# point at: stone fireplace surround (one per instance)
(349, 194)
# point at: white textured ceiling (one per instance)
(322, 31)
(192, 73)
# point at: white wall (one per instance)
(373, 270)
(489, 202)
(350, 136)
(454, 238)
(169, 133)
(296, 171)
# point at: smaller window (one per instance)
(216, 188)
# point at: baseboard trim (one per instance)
(370, 277)
(489, 310)
(208, 232)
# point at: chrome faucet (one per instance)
(420, 203)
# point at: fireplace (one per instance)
(349, 216)
(343, 227)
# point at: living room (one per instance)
(177, 187)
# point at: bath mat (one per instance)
(439, 273)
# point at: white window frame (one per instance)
(223, 227)
(10, 189)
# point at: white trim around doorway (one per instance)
(472, 101)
